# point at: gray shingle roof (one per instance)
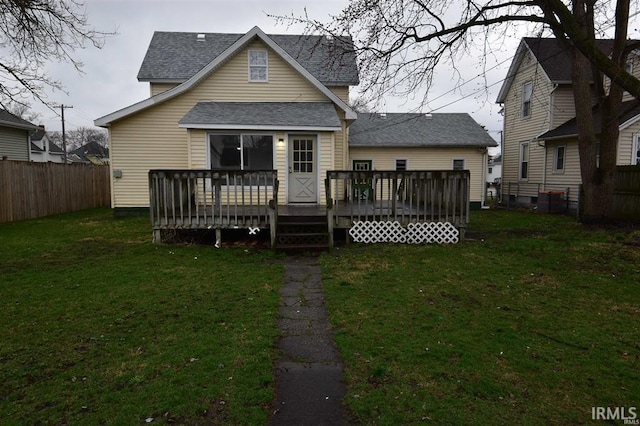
(176, 56)
(555, 59)
(90, 149)
(418, 130)
(10, 120)
(628, 110)
(254, 114)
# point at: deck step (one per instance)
(301, 248)
(302, 233)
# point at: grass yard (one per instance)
(535, 321)
(99, 326)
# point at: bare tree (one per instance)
(23, 110)
(81, 136)
(400, 43)
(33, 33)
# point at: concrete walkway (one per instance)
(309, 385)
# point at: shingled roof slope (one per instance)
(262, 114)
(418, 130)
(628, 110)
(176, 56)
(555, 59)
(10, 120)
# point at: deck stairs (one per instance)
(302, 233)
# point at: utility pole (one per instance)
(64, 137)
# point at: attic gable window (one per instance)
(258, 65)
(527, 91)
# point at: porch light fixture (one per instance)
(280, 142)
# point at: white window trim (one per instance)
(266, 67)
(555, 159)
(520, 161)
(464, 163)
(406, 163)
(524, 85)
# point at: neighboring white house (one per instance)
(43, 149)
(494, 169)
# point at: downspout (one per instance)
(189, 164)
(543, 144)
(485, 162)
(345, 146)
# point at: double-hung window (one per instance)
(258, 65)
(401, 164)
(527, 92)
(635, 155)
(558, 159)
(524, 160)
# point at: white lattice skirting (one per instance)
(392, 232)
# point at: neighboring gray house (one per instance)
(14, 137)
(90, 153)
(43, 149)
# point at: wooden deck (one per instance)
(236, 199)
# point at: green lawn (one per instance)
(535, 320)
(101, 326)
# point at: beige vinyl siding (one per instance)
(157, 88)
(231, 82)
(562, 106)
(626, 143)
(634, 59)
(14, 144)
(427, 159)
(570, 177)
(326, 156)
(152, 138)
(342, 92)
(518, 129)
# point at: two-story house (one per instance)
(235, 121)
(256, 101)
(43, 149)
(540, 148)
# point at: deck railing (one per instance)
(403, 196)
(206, 199)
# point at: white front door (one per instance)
(303, 171)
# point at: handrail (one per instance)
(201, 199)
(407, 196)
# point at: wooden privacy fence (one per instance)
(29, 190)
(205, 199)
(626, 197)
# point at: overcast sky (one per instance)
(109, 79)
